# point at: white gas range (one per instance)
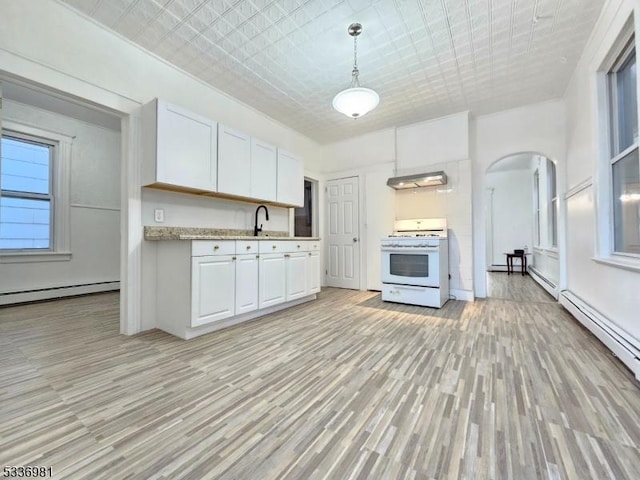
(415, 263)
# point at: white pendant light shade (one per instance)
(356, 102)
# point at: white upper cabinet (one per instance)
(290, 179)
(179, 147)
(263, 170)
(234, 162)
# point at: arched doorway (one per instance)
(521, 213)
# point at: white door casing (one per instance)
(343, 238)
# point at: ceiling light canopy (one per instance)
(355, 101)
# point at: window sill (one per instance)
(630, 264)
(34, 257)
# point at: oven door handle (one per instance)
(416, 250)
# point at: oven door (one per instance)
(411, 266)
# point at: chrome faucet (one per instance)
(257, 229)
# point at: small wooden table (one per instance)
(523, 262)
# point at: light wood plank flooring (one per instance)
(519, 288)
(346, 387)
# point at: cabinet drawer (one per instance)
(246, 246)
(200, 248)
(296, 246)
(272, 246)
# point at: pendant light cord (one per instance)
(354, 73)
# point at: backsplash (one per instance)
(184, 210)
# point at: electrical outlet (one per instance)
(158, 215)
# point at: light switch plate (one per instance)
(158, 215)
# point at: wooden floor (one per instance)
(347, 387)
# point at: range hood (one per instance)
(418, 180)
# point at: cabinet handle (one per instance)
(216, 247)
(257, 256)
(273, 247)
(233, 258)
(248, 247)
(298, 246)
(309, 253)
(286, 255)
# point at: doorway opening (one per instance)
(305, 218)
(522, 219)
(58, 207)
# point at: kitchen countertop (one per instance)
(191, 233)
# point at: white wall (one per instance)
(439, 144)
(183, 210)
(94, 209)
(509, 213)
(610, 289)
(538, 128)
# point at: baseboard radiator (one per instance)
(544, 282)
(11, 298)
(603, 328)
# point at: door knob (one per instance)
(355, 239)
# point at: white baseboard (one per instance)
(497, 268)
(602, 328)
(544, 282)
(58, 292)
(466, 295)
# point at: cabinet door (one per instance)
(272, 287)
(263, 170)
(313, 264)
(296, 275)
(234, 162)
(290, 179)
(212, 288)
(186, 148)
(246, 283)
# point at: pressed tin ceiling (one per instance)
(426, 59)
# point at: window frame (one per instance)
(552, 205)
(621, 56)
(53, 147)
(536, 210)
(60, 164)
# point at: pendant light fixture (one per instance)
(355, 101)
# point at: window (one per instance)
(624, 161)
(536, 206)
(552, 192)
(26, 193)
(34, 194)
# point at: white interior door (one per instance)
(343, 239)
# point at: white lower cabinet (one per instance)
(272, 285)
(296, 275)
(213, 280)
(205, 285)
(313, 268)
(246, 283)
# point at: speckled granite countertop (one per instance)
(189, 233)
